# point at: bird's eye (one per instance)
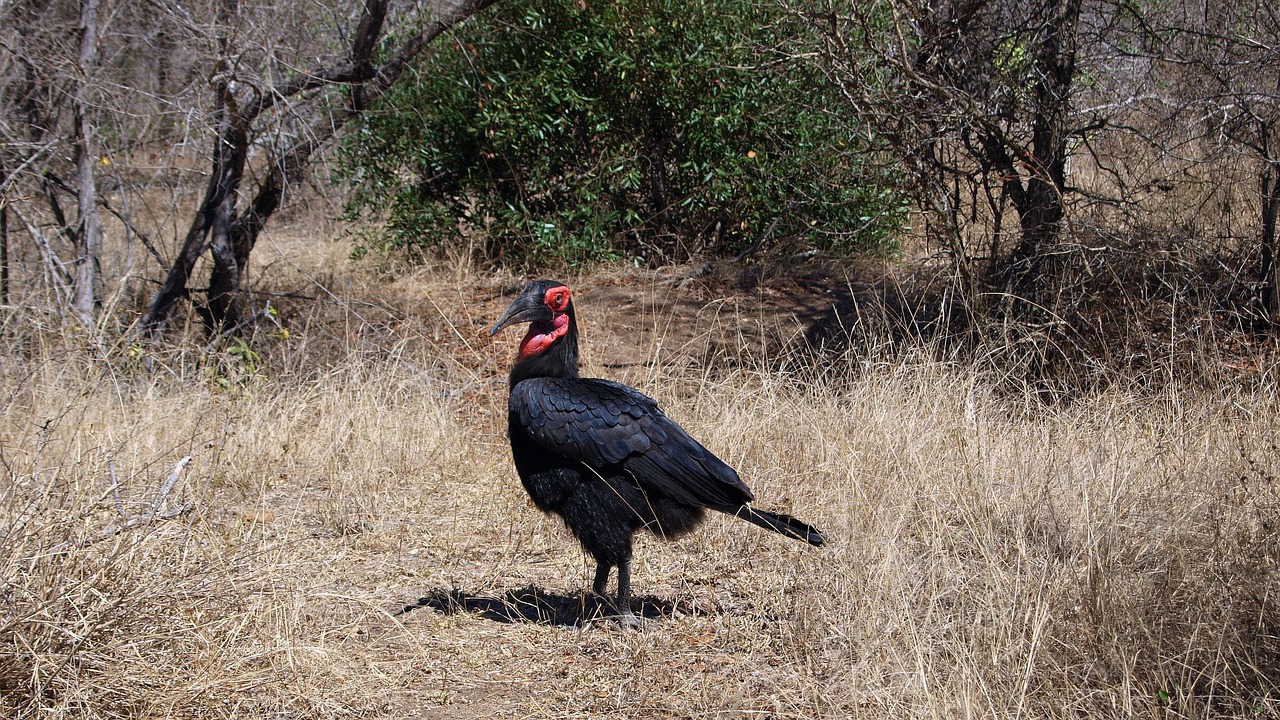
(558, 298)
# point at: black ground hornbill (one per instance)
(602, 455)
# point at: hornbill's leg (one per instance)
(602, 577)
(624, 589)
(625, 617)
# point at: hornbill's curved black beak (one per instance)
(527, 308)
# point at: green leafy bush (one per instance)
(652, 130)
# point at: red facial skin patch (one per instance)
(535, 341)
(557, 298)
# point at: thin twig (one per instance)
(139, 522)
(115, 489)
(170, 482)
(58, 273)
(153, 512)
(119, 215)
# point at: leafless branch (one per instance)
(155, 509)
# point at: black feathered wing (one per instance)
(605, 424)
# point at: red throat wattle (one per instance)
(536, 340)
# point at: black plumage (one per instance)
(602, 455)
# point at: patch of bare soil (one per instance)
(712, 317)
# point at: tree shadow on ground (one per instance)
(535, 605)
(838, 312)
(729, 315)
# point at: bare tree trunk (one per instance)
(230, 151)
(231, 249)
(659, 186)
(1270, 270)
(87, 299)
(4, 238)
(234, 237)
(1056, 67)
(1040, 202)
(224, 282)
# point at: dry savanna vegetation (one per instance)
(986, 290)
(325, 523)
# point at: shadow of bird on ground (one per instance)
(535, 605)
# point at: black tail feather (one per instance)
(781, 524)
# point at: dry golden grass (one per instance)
(349, 539)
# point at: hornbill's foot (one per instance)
(627, 621)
